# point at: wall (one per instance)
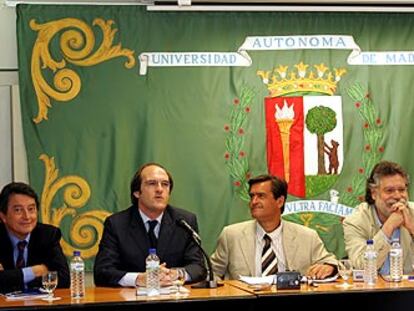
(8, 51)
(12, 153)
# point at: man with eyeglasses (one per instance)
(28, 249)
(149, 223)
(386, 215)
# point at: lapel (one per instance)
(405, 239)
(248, 246)
(137, 232)
(374, 221)
(166, 231)
(290, 247)
(33, 246)
(6, 255)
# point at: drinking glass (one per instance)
(178, 279)
(345, 271)
(49, 283)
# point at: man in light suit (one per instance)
(127, 235)
(386, 215)
(240, 246)
(42, 250)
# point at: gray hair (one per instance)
(382, 169)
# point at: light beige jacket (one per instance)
(236, 247)
(361, 226)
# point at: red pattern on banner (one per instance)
(275, 162)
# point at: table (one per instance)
(235, 295)
(102, 298)
(383, 296)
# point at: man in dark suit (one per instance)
(28, 249)
(149, 223)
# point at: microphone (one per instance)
(186, 226)
(210, 283)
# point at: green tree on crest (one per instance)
(320, 120)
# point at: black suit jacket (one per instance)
(43, 248)
(124, 246)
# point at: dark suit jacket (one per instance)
(43, 248)
(124, 246)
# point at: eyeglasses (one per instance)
(391, 190)
(154, 183)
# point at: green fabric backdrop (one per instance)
(177, 116)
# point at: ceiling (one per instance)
(246, 5)
(224, 2)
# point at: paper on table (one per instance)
(25, 295)
(142, 291)
(258, 280)
(387, 277)
(327, 280)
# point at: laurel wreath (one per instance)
(373, 132)
(235, 155)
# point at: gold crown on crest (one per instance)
(302, 80)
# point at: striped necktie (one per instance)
(20, 256)
(269, 259)
(151, 234)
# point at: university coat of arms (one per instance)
(304, 128)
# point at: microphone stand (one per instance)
(210, 282)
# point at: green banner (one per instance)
(105, 89)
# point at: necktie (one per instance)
(269, 260)
(151, 234)
(20, 256)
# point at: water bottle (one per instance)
(77, 276)
(370, 264)
(396, 261)
(152, 264)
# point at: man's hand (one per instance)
(320, 271)
(408, 219)
(141, 280)
(395, 219)
(39, 270)
(1, 267)
(165, 278)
